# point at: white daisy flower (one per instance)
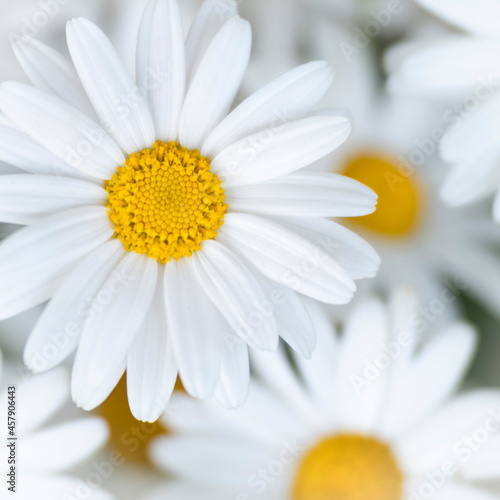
(461, 69)
(444, 253)
(42, 453)
(116, 210)
(374, 415)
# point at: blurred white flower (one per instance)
(463, 71)
(115, 209)
(393, 150)
(43, 452)
(374, 415)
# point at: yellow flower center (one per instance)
(165, 201)
(349, 467)
(399, 196)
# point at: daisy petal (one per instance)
(232, 391)
(236, 293)
(151, 366)
(292, 319)
(25, 199)
(304, 194)
(216, 82)
(365, 333)
(468, 137)
(58, 330)
(441, 436)
(276, 104)
(484, 464)
(231, 461)
(52, 72)
(284, 257)
(352, 252)
(275, 372)
(118, 102)
(196, 327)
(478, 17)
(63, 130)
(47, 487)
(161, 65)
(472, 178)
(211, 16)
(321, 366)
(273, 153)
(430, 379)
(70, 444)
(121, 306)
(448, 69)
(31, 277)
(43, 396)
(20, 150)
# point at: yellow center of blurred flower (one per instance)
(349, 467)
(399, 196)
(165, 201)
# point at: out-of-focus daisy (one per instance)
(393, 149)
(461, 69)
(43, 452)
(374, 415)
(170, 229)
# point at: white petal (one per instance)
(484, 464)
(472, 178)
(211, 16)
(441, 437)
(51, 486)
(236, 294)
(64, 446)
(121, 306)
(304, 194)
(20, 150)
(285, 98)
(468, 136)
(58, 331)
(196, 327)
(118, 102)
(353, 253)
(161, 65)
(449, 69)
(277, 374)
(151, 366)
(184, 489)
(210, 460)
(232, 391)
(292, 319)
(366, 331)
(52, 72)
(272, 153)
(454, 490)
(284, 257)
(477, 17)
(63, 130)
(34, 260)
(433, 376)
(216, 82)
(320, 372)
(42, 396)
(25, 199)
